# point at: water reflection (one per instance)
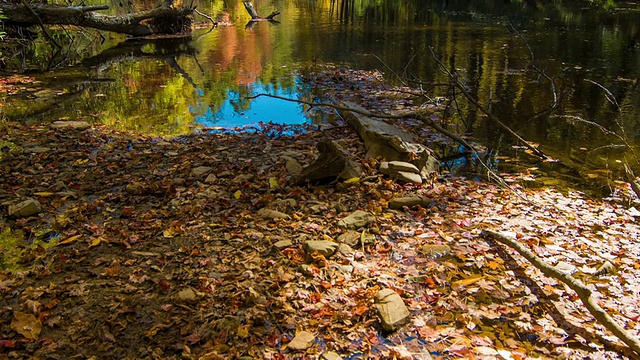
(239, 111)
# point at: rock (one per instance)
(408, 201)
(293, 167)
(210, 179)
(408, 177)
(330, 355)
(384, 168)
(241, 179)
(283, 244)
(351, 238)
(25, 208)
(73, 124)
(178, 181)
(302, 341)
(435, 251)
(565, 268)
(201, 171)
(356, 220)
(345, 250)
(187, 295)
(36, 150)
(398, 166)
(324, 247)
(271, 214)
(346, 269)
(391, 309)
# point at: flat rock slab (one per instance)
(302, 341)
(325, 247)
(25, 208)
(271, 214)
(283, 244)
(200, 171)
(71, 124)
(408, 201)
(391, 309)
(357, 219)
(409, 177)
(403, 166)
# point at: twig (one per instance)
(584, 293)
(457, 84)
(206, 16)
(41, 24)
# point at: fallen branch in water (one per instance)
(584, 293)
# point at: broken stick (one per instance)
(584, 293)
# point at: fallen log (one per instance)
(584, 293)
(164, 19)
(254, 14)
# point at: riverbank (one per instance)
(158, 248)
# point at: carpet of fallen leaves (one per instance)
(135, 256)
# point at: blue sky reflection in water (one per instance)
(239, 112)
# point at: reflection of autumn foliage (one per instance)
(242, 51)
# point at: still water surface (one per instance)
(168, 87)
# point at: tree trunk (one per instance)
(161, 20)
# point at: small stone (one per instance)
(37, 150)
(73, 124)
(356, 220)
(324, 247)
(345, 250)
(271, 214)
(350, 237)
(409, 177)
(346, 269)
(224, 174)
(391, 309)
(302, 341)
(210, 179)
(435, 251)
(293, 167)
(241, 179)
(401, 166)
(408, 201)
(283, 244)
(330, 355)
(565, 268)
(178, 181)
(187, 295)
(384, 167)
(201, 171)
(25, 208)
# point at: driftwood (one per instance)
(584, 293)
(254, 14)
(334, 163)
(164, 19)
(390, 142)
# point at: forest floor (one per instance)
(156, 248)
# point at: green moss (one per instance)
(16, 253)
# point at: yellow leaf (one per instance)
(26, 325)
(273, 183)
(466, 282)
(237, 194)
(243, 331)
(43, 194)
(353, 180)
(69, 240)
(494, 265)
(95, 242)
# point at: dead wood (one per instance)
(254, 14)
(141, 23)
(584, 293)
(333, 163)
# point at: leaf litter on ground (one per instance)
(168, 262)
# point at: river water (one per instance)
(591, 52)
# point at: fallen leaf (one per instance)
(26, 325)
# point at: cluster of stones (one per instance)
(403, 171)
(389, 306)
